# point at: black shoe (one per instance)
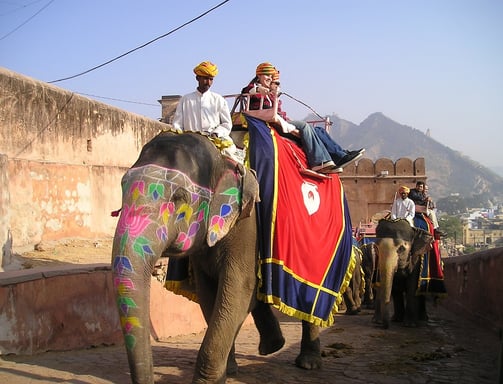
(351, 157)
(324, 167)
(361, 150)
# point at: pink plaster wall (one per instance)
(73, 307)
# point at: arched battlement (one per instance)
(370, 187)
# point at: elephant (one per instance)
(353, 293)
(182, 198)
(369, 267)
(400, 248)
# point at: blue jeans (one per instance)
(335, 150)
(314, 148)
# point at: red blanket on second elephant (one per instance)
(431, 279)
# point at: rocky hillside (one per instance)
(448, 171)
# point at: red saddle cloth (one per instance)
(431, 278)
(305, 232)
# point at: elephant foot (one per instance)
(410, 324)
(232, 368)
(232, 365)
(268, 346)
(353, 311)
(309, 360)
(380, 322)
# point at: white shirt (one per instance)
(203, 112)
(403, 209)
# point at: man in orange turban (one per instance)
(206, 111)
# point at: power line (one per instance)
(20, 7)
(121, 100)
(142, 46)
(30, 18)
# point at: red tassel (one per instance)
(115, 213)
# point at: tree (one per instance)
(452, 226)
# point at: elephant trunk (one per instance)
(131, 282)
(387, 266)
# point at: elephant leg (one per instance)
(412, 304)
(271, 337)
(369, 273)
(226, 293)
(397, 292)
(310, 349)
(351, 307)
(216, 357)
(368, 296)
(422, 314)
(357, 288)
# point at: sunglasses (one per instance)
(276, 82)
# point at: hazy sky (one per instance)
(431, 64)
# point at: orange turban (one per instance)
(206, 69)
(265, 69)
(275, 76)
(403, 188)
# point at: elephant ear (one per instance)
(233, 199)
(420, 245)
(422, 241)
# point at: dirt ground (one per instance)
(64, 252)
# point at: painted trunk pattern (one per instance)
(150, 222)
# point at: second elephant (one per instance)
(400, 248)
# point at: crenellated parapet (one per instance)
(371, 187)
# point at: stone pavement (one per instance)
(448, 349)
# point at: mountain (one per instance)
(448, 171)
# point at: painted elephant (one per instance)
(182, 198)
(400, 248)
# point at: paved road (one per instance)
(448, 349)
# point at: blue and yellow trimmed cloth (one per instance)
(305, 232)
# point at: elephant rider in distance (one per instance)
(403, 207)
(421, 199)
(206, 112)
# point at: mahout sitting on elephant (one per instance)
(400, 250)
(182, 198)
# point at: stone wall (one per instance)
(62, 157)
(474, 287)
(73, 307)
(65, 308)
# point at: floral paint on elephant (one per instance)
(148, 206)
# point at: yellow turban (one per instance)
(265, 69)
(207, 69)
(403, 188)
